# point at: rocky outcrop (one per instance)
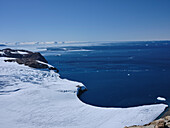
(80, 90)
(161, 123)
(28, 58)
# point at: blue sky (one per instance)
(84, 20)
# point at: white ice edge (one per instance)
(47, 101)
(2, 53)
(21, 52)
(44, 63)
(17, 52)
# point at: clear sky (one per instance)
(84, 20)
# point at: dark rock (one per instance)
(35, 56)
(31, 63)
(28, 58)
(13, 53)
(80, 90)
(53, 68)
(10, 60)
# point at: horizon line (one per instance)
(86, 41)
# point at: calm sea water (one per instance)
(117, 74)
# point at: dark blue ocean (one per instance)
(121, 74)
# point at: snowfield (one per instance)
(31, 98)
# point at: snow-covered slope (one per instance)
(31, 98)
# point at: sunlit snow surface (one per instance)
(31, 98)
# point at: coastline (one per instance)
(166, 113)
(43, 99)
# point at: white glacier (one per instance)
(31, 98)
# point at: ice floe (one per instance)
(161, 98)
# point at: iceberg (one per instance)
(161, 98)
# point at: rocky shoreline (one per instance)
(28, 58)
(160, 123)
(167, 113)
(163, 122)
(33, 60)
